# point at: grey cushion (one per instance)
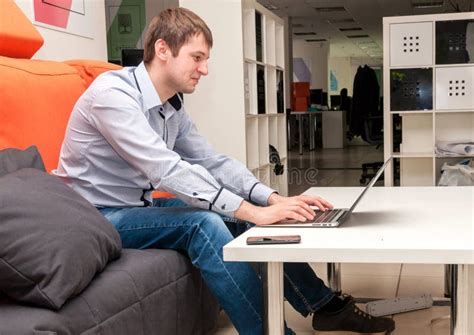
(52, 240)
(12, 160)
(145, 292)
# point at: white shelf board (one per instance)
(453, 156)
(451, 111)
(412, 155)
(412, 112)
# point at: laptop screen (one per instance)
(372, 182)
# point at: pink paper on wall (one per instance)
(53, 12)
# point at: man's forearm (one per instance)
(246, 212)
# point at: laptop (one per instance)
(331, 217)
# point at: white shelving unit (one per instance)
(428, 81)
(237, 105)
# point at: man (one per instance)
(128, 134)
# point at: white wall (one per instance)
(345, 69)
(318, 53)
(344, 72)
(59, 45)
(218, 105)
(154, 7)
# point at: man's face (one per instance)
(185, 70)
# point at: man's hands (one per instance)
(281, 208)
(319, 202)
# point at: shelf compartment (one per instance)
(270, 41)
(263, 149)
(264, 175)
(454, 127)
(282, 135)
(417, 134)
(259, 36)
(454, 87)
(416, 171)
(411, 44)
(261, 89)
(280, 182)
(249, 33)
(273, 132)
(439, 162)
(252, 139)
(280, 45)
(250, 82)
(271, 90)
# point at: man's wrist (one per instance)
(274, 198)
(246, 212)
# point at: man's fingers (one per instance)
(304, 212)
(321, 203)
(295, 216)
(308, 209)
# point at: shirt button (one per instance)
(223, 207)
(194, 193)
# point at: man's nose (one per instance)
(203, 70)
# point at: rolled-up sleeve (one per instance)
(119, 118)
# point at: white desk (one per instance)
(390, 225)
(334, 129)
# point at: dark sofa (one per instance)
(144, 292)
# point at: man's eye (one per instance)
(197, 58)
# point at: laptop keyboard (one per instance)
(326, 216)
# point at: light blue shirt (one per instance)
(122, 142)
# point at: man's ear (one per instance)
(162, 51)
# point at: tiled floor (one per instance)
(341, 167)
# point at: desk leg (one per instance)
(273, 292)
(300, 128)
(462, 300)
(311, 131)
(334, 277)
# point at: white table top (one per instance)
(390, 225)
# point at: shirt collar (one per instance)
(151, 98)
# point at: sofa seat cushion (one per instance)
(37, 98)
(53, 240)
(144, 292)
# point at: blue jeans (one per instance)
(201, 234)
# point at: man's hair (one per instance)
(175, 26)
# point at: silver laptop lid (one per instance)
(372, 182)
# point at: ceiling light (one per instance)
(305, 33)
(350, 29)
(347, 20)
(330, 9)
(357, 36)
(297, 25)
(427, 3)
(317, 40)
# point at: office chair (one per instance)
(372, 133)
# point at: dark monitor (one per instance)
(335, 101)
(316, 96)
(325, 99)
(132, 57)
